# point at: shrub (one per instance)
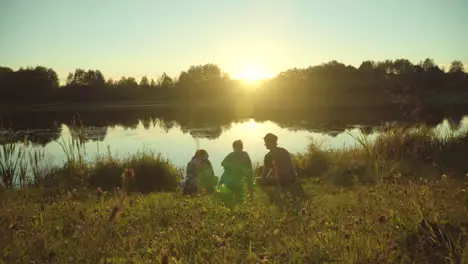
(152, 173)
(315, 162)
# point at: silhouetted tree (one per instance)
(331, 84)
(165, 81)
(144, 82)
(153, 84)
(456, 67)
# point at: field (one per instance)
(401, 199)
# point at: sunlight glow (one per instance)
(253, 74)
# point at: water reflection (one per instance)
(44, 127)
(177, 139)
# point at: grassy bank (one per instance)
(401, 199)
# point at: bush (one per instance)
(106, 173)
(406, 143)
(419, 146)
(152, 173)
(315, 162)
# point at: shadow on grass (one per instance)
(288, 198)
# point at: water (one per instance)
(179, 142)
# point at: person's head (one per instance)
(271, 140)
(201, 153)
(237, 145)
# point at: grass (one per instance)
(378, 224)
(400, 199)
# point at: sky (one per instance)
(149, 37)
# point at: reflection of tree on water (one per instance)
(166, 125)
(88, 133)
(44, 127)
(208, 132)
(35, 136)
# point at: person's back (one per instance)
(279, 160)
(237, 168)
(237, 164)
(200, 174)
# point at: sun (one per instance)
(253, 74)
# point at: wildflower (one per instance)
(129, 174)
(99, 191)
(223, 185)
(303, 211)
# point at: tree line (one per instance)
(376, 82)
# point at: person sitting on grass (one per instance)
(278, 167)
(237, 170)
(200, 175)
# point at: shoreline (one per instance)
(441, 102)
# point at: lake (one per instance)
(178, 140)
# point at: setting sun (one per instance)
(252, 74)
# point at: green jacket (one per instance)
(237, 168)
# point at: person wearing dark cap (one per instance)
(277, 165)
(237, 169)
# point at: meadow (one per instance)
(399, 199)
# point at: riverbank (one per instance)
(400, 199)
(323, 102)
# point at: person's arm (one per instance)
(190, 172)
(267, 166)
(211, 170)
(249, 176)
(226, 161)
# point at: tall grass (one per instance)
(152, 171)
(396, 152)
(12, 165)
(20, 165)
